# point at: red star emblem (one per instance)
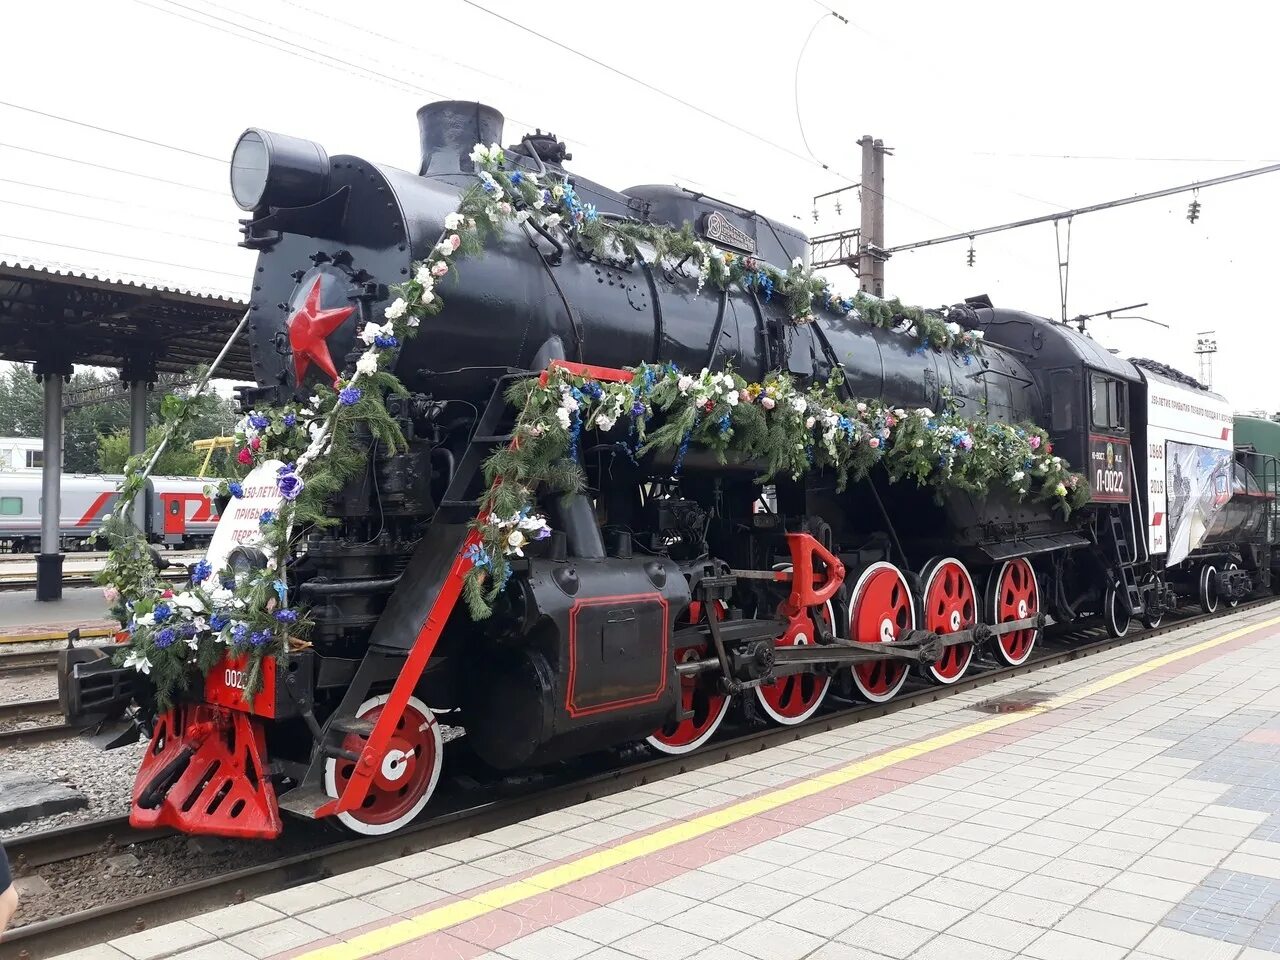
(309, 328)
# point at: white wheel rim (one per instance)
(377, 829)
(824, 683)
(886, 629)
(676, 750)
(1207, 589)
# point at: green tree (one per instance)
(177, 460)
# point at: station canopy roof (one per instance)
(51, 314)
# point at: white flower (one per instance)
(146, 620)
(453, 221)
(862, 407)
(731, 398)
(953, 328)
(809, 422)
(425, 277)
(372, 331)
(515, 541)
(797, 263)
(977, 334)
(684, 383)
(367, 364)
(557, 191)
(413, 322)
(533, 523)
(925, 413)
(562, 414)
(396, 310)
(551, 220)
(919, 443)
(141, 664)
(522, 216)
(605, 423)
(188, 601)
(799, 404)
(1017, 475)
(315, 400)
(445, 247)
(480, 153)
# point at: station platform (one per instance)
(1123, 805)
(23, 619)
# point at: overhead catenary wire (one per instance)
(1092, 208)
(133, 204)
(116, 133)
(121, 170)
(116, 223)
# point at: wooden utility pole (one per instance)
(871, 246)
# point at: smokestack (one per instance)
(450, 129)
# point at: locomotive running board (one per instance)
(443, 594)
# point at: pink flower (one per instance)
(455, 240)
(1034, 441)
(110, 594)
(256, 443)
(744, 397)
(890, 421)
(167, 595)
(439, 268)
(245, 456)
(874, 442)
(768, 403)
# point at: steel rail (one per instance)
(97, 924)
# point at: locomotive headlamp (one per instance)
(246, 560)
(273, 170)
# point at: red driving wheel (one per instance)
(949, 605)
(880, 610)
(1015, 596)
(408, 775)
(794, 697)
(699, 696)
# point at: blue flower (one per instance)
(289, 483)
(517, 178)
(478, 556)
(546, 197)
(239, 632)
(228, 583)
(593, 389)
(161, 612)
(287, 616)
(260, 638)
(165, 637)
(590, 212)
(489, 186)
(386, 341)
(766, 285)
(187, 630)
(726, 422)
(280, 589)
(259, 422)
(218, 621)
(349, 396)
(290, 420)
(201, 571)
(236, 489)
(268, 516)
(637, 409)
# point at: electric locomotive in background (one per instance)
(660, 602)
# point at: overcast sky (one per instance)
(981, 101)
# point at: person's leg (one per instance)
(8, 895)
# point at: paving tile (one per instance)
(237, 918)
(717, 951)
(557, 847)
(796, 880)
(1106, 927)
(344, 915)
(99, 951)
(757, 900)
(299, 899)
(1121, 904)
(946, 947)
(1035, 911)
(711, 920)
(995, 931)
(769, 940)
(887, 936)
(817, 917)
(603, 924)
(1157, 888)
(1178, 945)
(957, 893)
(738, 867)
(654, 905)
(1055, 945)
(1052, 888)
(419, 864)
(276, 937)
(408, 896)
(162, 941)
(548, 943)
(356, 883)
(460, 879)
(985, 874)
(699, 884)
(210, 951)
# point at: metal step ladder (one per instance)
(1124, 557)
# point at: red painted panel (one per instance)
(224, 685)
(634, 598)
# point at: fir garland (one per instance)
(789, 428)
(320, 445)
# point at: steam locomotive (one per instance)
(660, 601)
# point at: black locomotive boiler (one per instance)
(660, 601)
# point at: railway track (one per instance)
(27, 581)
(36, 661)
(461, 812)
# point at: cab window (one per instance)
(10, 506)
(1064, 388)
(1107, 397)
